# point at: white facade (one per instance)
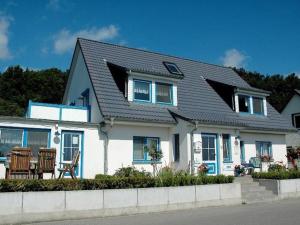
(293, 107)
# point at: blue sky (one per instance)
(258, 35)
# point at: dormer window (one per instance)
(164, 93)
(142, 90)
(172, 68)
(244, 103)
(296, 120)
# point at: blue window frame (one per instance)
(23, 137)
(142, 90)
(227, 155)
(258, 105)
(141, 146)
(164, 93)
(244, 104)
(264, 148)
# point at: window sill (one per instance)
(146, 162)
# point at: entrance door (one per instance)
(209, 152)
(71, 142)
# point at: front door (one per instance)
(71, 142)
(209, 152)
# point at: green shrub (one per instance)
(277, 175)
(276, 167)
(110, 182)
(131, 172)
(102, 176)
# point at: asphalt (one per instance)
(284, 212)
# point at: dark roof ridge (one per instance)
(157, 53)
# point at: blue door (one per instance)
(71, 142)
(209, 152)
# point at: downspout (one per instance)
(105, 132)
(192, 147)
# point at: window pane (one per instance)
(163, 93)
(75, 140)
(67, 140)
(226, 147)
(67, 154)
(37, 140)
(258, 105)
(176, 148)
(142, 90)
(244, 103)
(204, 142)
(138, 148)
(297, 121)
(211, 142)
(263, 148)
(9, 138)
(212, 154)
(204, 154)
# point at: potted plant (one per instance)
(203, 169)
(239, 170)
(265, 162)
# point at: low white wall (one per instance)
(2, 170)
(283, 188)
(42, 206)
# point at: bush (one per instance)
(277, 175)
(276, 167)
(102, 176)
(110, 182)
(131, 172)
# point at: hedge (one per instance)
(108, 183)
(277, 175)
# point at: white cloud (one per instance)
(234, 58)
(4, 48)
(65, 40)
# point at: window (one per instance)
(244, 103)
(37, 139)
(176, 148)
(258, 105)
(163, 93)
(142, 90)
(208, 148)
(141, 147)
(71, 143)
(172, 68)
(263, 148)
(296, 120)
(9, 138)
(86, 97)
(226, 147)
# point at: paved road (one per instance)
(285, 212)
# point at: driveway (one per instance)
(285, 212)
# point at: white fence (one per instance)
(36, 206)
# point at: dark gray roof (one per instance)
(297, 91)
(196, 98)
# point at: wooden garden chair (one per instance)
(20, 162)
(46, 162)
(70, 167)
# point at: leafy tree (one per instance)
(18, 86)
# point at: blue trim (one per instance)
(226, 160)
(3, 159)
(242, 149)
(81, 150)
(25, 137)
(150, 90)
(58, 106)
(171, 93)
(144, 161)
(218, 153)
(28, 115)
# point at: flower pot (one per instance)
(264, 166)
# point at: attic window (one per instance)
(172, 68)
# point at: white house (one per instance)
(292, 112)
(119, 100)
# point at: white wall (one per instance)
(120, 146)
(278, 145)
(79, 82)
(292, 139)
(44, 112)
(92, 150)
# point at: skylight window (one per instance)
(172, 68)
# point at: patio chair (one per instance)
(70, 167)
(255, 161)
(46, 162)
(19, 162)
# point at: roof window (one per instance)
(172, 68)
